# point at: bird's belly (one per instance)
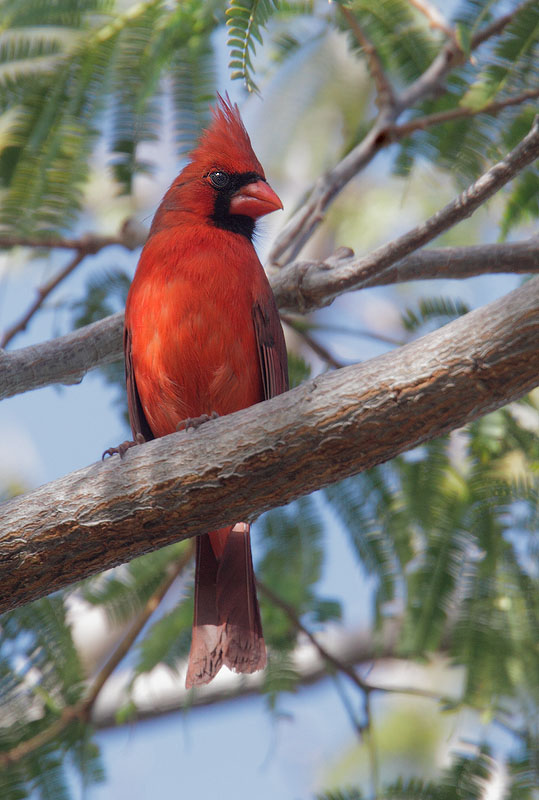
(196, 357)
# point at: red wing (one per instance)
(139, 423)
(271, 349)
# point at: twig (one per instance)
(497, 25)
(357, 725)
(361, 333)
(371, 745)
(321, 351)
(449, 57)
(89, 243)
(384, 89)
(42, 293)
(290, 612)
(399, 131)
(82, 709)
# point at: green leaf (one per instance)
(464, 38)
(168, 640)
(245, 21)
(512, 61)
(398, 33)
(298, 369)
(280, 676)
(523, 201)
(352, 793)
(431, 309)
(124, 591)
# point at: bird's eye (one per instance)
(219, 179)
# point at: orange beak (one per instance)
(254, 200)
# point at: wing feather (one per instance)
(271, 349)
(137, 418)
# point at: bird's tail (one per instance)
(226, 627)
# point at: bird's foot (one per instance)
(192, 423)
(123, 447)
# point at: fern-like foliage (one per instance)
(433, 309)
(291, 565)
(452, 562)
(99, 70)
(512, 61)
(466, 146)
(40, 674)
(352, 793)
(464, 779)
(193, 80)
(245, 21)
(124, 591)
(399, 35)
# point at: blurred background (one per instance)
(399, 607)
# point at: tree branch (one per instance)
(155, 694)
(420, 123)
(65, 359)
(384, 91)
(68, 358)
(304, 333)
(304, 222)
(307, 285)
(243, 464)
(385, 256)
(89, 243)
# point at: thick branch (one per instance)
(68, 358)
(243, 464)
(307, 285)
(65, 360)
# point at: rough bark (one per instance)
(236, 467)
(65, 360)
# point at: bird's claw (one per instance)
(122, 448)
(192, 423)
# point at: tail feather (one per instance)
(227, 627)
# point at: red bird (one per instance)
(202, 335)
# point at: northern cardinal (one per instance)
(203, 337)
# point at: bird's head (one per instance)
(224, 183)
